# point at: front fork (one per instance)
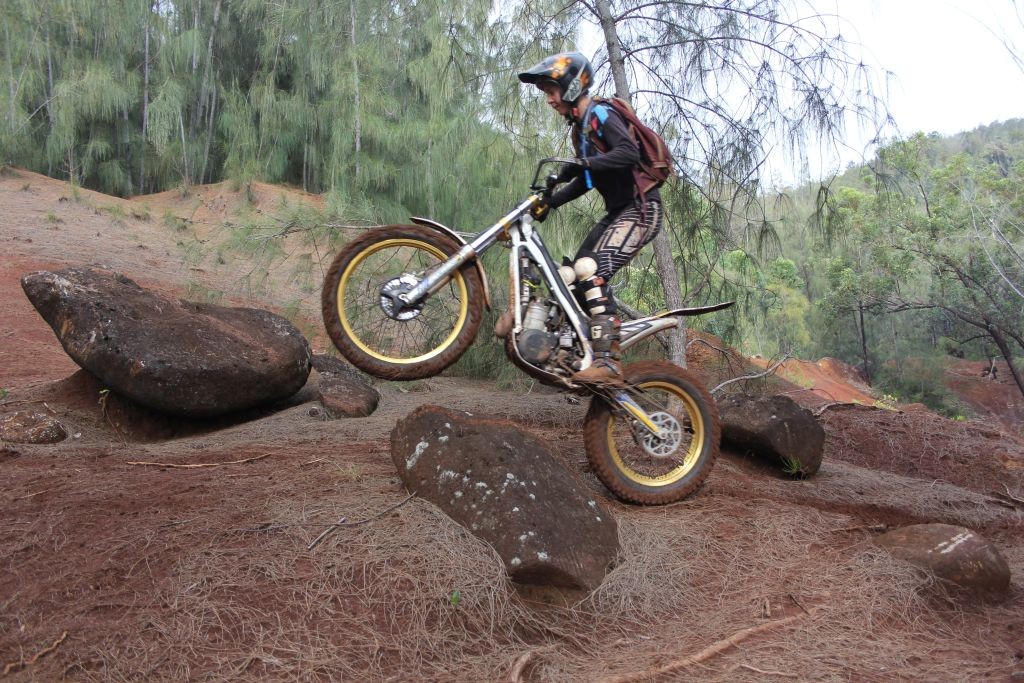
(620, 398)
(437, 278)
(626, 402)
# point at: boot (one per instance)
(607, 366)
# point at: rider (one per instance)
(605, 159)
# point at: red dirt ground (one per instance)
(117, 570)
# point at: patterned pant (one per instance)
(613, 243)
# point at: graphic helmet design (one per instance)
(570, 71)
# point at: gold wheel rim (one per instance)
(457, 278)
(692, 454)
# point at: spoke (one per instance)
(410, 338)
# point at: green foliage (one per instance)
(914, 256)
(793, 467)
(920, 380)
(173, 222)
(385, 100)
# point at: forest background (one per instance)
(412, 108)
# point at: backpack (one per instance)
(655, 165)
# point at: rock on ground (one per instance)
(186, 359)
(27, 426)
(773, 427)
(506, 487)
(953, 553)
(343, 392)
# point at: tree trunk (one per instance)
(431, 208)
(863, 341)
(11, 85)
(205, 83)
(195, 27)
(209, 134)
(666, 265)
(357, 127)
(305, 162)
(669, 276)
(1004, 349)
(49, 91)
(145, 98)
(184, 152)
(615, 58)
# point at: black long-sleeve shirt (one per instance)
(611, 170)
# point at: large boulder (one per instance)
(507, 488)
(952, 553)
(343, 392)
(182, 358)
(773, 427)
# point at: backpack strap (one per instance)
(585, 135)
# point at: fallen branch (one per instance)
(822, 409)
(864, 527)
(516, 674)
(698, 340)
(4, 404)
(1011, 496)
(707, 653)
(33, 495)
(201, 464)
(762, 671)
(17, 666)
(769, 371)
(342, 522)
(1007, 499)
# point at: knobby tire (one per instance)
(342, 276)
(617, 476)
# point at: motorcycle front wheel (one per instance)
(389, 341)
(639, 467)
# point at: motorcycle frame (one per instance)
(525, 238)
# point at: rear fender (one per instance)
(458, 238)
(635, 330)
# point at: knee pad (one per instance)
(568, 275)
(585, 268)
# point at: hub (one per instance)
(390, 302)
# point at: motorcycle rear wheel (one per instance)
(639, 468)
(413, 343)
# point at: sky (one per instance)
(950, 71)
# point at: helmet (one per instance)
(570, 71)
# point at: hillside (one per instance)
(118, 570)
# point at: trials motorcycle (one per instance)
(404, 302)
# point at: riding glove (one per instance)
(540, 211)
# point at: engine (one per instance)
(535, 342)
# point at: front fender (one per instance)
(458, 238)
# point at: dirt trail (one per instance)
(204, 574)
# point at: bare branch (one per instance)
(771, 369)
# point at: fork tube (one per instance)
(634, 409)
(437, 279)
(513, 277)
